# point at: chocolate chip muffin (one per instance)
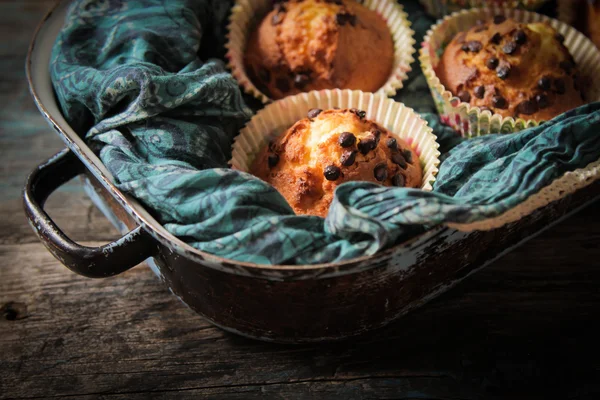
(306, 45)
(331, 147)
(512, 69)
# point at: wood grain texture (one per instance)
(523, 328)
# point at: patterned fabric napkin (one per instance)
(141, 79)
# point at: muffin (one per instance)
(513, 69)
(331, 147)
(307, 45)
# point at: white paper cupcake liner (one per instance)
(439, 8)
(245, 14)
(277, 117)
(471, 121)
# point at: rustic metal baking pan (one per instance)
(305, 303)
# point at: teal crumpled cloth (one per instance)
(131, 76)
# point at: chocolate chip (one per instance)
(503, 71)
(332, 172)
(545, 83)
(273, 160)
(567, 66)
(498, 19)
(464, 96)
(279, 6)
(277, 18)
(496, 39)
(366, 145)
(360, 113)
(560, 86)
(380, 172)
(398, 180)
(499, 102)
(348, 157)
(399, 160)
(343, 18)
(520, 37)
(542, 101)
(509, 48)
(301, 80)
(559, 37)
(464, 47)
(392, 144)
(314, 113)
(376, 135)
(527, 107)
(347, 139)
(479, 91)
(282, 84)
(492, 63)
(475, 46)
(407, 155)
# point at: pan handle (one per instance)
(93, 262)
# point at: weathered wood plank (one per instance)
(26, 139)
(509, 328)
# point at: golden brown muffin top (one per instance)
(305, 45)
(331, 147)
(512, 69)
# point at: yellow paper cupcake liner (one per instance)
(471, 121)
(278, 116)
(246, 14)
(439, 8)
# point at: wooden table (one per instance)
(520, 329)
